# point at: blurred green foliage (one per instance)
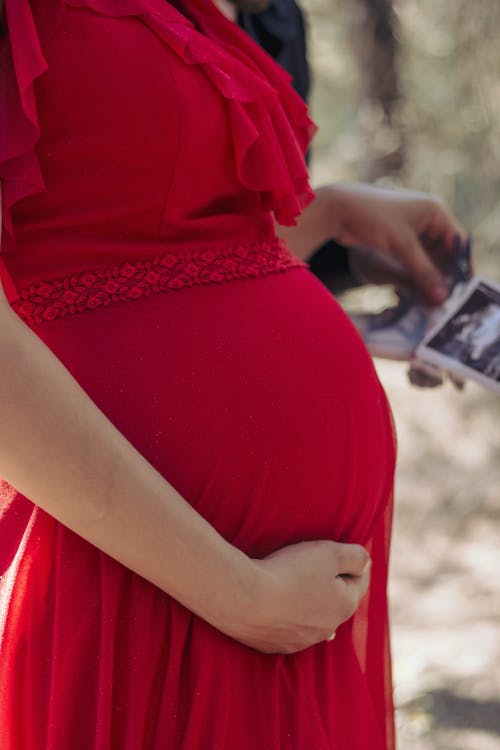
(448, 118)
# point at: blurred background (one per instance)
(407, 92)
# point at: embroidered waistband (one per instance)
(131, 280)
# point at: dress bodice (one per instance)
(131, 129)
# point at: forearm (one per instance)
(58, 449)
(317, 224)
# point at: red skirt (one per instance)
(257, 400)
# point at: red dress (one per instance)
(143, 152)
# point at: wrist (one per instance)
(235, 595)
(330, 211)
(344, 200)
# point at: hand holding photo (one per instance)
(396, 332)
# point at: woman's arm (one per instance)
(412, 229)
(58, 448)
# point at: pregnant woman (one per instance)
(197, 456)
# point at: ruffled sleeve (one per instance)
(21, 63)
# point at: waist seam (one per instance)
(135, 279)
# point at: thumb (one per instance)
(352, 560)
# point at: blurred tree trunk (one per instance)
(376, 47)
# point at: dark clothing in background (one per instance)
(281, 31)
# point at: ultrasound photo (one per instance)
(467, 340)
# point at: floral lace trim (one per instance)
(89, 290)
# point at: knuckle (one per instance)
(427, 274)
(359, 557)
(364, 557)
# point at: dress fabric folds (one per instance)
(146, 149)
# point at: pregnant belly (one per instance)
(256, 399)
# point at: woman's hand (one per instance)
(413, 232)
(303, 593)
(411, 228)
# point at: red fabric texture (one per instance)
(89, 290)
(144, 148)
